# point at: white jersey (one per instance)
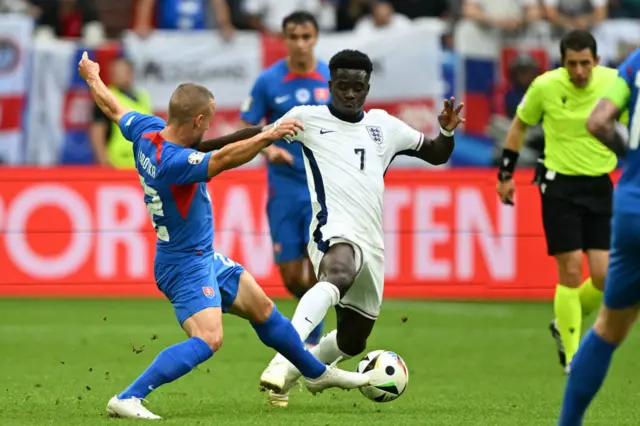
(345, 164)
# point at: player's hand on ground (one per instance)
(277, 155)
(450, 117)
(282, 128)
(87, 68)
(506, 190)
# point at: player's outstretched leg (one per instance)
(205, 331)
(590, 364)
(349, 340)
(276, 331)
(337, 272)
(298, 277)
(616, 318)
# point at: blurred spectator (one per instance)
(575, 14)
(69, 18)
(349, 12)
(182, 15)
(510, 16)
(625, 8)
(110, 148)
(420, 8)
(522, 71)
(383, 17)
(15, 6)
(267, 15)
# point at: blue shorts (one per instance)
(289, 220)
(622, 288)
(208, 281)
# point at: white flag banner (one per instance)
(15, 41)
(166, 59)
(407, 62)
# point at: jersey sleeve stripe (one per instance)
(323, 214)
(420, 141)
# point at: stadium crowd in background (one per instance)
(95, 18)
(525, 24)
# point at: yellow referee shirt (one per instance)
(564, 108)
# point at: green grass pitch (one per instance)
(488, 364)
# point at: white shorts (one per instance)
(365, 295)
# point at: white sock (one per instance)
(312, 309)
(327, 350)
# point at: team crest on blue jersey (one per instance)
(209, 292)
(376, 133)
(303, 96)
(195, 157)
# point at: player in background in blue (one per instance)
(299, 79)
(200, 283)
(622, 291)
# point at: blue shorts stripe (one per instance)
(323, 214)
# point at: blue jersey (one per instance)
(181, 14)
(274, 93)
(174, 182)
(627, 194)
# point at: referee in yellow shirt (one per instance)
(575, 187)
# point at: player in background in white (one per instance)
(347, 152)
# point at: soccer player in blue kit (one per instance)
(299, 79)
(200, 283)
(622, 291)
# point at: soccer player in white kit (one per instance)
(347, 152)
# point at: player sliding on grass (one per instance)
(347, 152)
(200, 283)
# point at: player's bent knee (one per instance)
(207, 325)
(613, 325)
(251, 302)
(262, 311)
(340, 274)
(213, 339)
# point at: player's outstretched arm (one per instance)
(438, 150)
(222, 141)
(239, 153)
(106, 101)
(602, 121)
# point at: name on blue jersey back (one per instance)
(174, 180)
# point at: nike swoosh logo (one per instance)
(308, 320)
(324, 132)
(281, 99)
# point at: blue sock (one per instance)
(588, 370)
(170, 364)
(278, 333)
(316, 333)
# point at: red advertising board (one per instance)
(86, 232)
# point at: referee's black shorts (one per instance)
(576, 212)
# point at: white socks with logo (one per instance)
(312, 309)
(327, 350)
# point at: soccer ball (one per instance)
(389, 375)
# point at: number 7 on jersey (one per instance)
(361, 152)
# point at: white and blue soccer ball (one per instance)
(388, 373)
